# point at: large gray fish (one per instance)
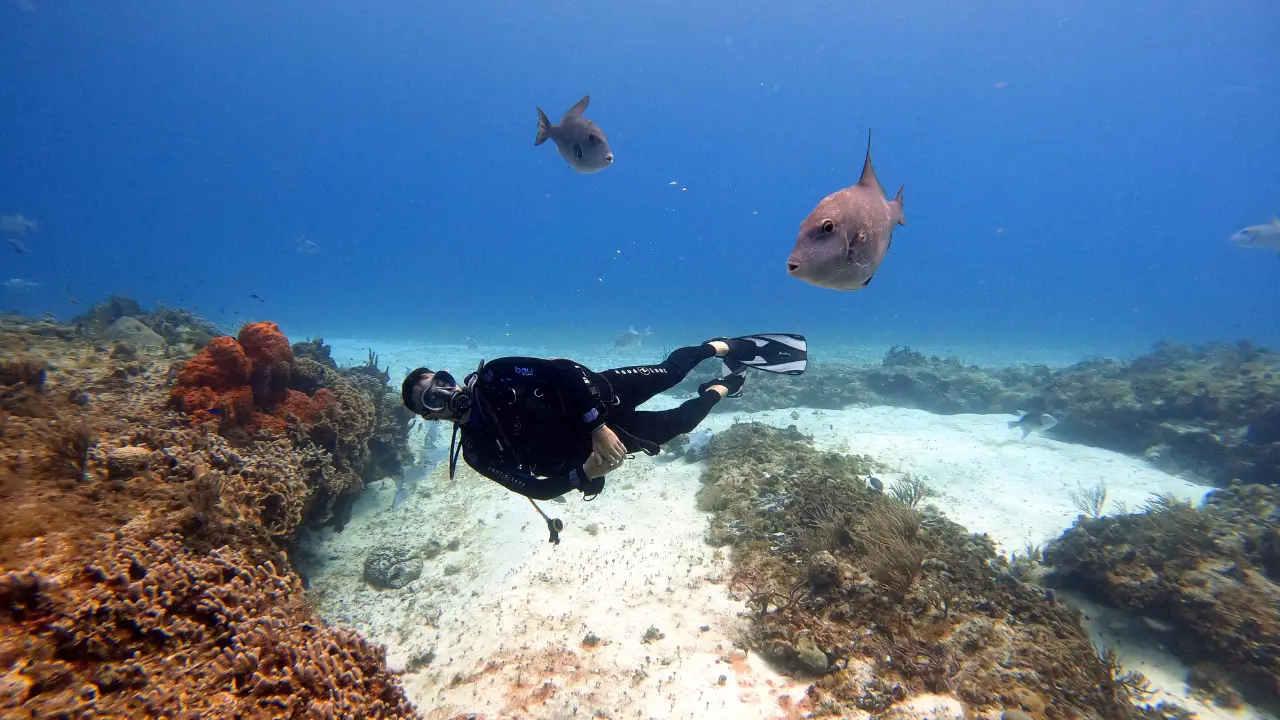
(580, 141)
(1033, 421)
(1261, 237)
(843, 241)
(631, 338)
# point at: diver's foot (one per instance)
(733, 348)
(728, 386)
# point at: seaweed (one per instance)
(1090, 501)
(69, 450)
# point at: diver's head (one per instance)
(434, 395)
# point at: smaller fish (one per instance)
(698, 442)
(579, 141)
(472, 344)
(631, 338)
(17, 224)
(306, 246)
(255, 297)
(1033, 421)
(20, 285)
(875, 483)
(17, 245)
(433, 435)
(1259, 237)
(414, 474)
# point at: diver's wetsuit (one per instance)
(531, 419)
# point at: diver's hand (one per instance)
(597, 468)
(607, 445)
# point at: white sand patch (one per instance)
(506, 613)
(508, 640)
(983, 474)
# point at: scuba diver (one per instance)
(542, 427)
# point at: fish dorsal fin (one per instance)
(577, 110)
(868, 179)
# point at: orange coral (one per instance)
(296, 404)
(222, 365)
(244, 383)
(264, 343)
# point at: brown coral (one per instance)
(894, 602)
(149, 628)
(105, 614)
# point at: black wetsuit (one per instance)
(531, 419)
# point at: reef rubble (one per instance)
(153, 495)
(1212, 410)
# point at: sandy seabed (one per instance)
(506, 613)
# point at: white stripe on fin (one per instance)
(781, 368)
(787, 340)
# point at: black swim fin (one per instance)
(781, 353)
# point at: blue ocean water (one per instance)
(1072, 170)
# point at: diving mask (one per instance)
(434, 392)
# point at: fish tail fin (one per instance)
(1013, 424)
(897, 200)
(544, 128)
(1025, 432)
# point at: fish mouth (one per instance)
(608, 159)
(792, 268)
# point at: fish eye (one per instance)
(593, 139)
(828, 227)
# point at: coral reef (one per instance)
(1210, 410)
(878, 600)
(173, 325)
(315, 350)
(254, 388)
(130, 628)
(1211, 572)
(143, 566)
